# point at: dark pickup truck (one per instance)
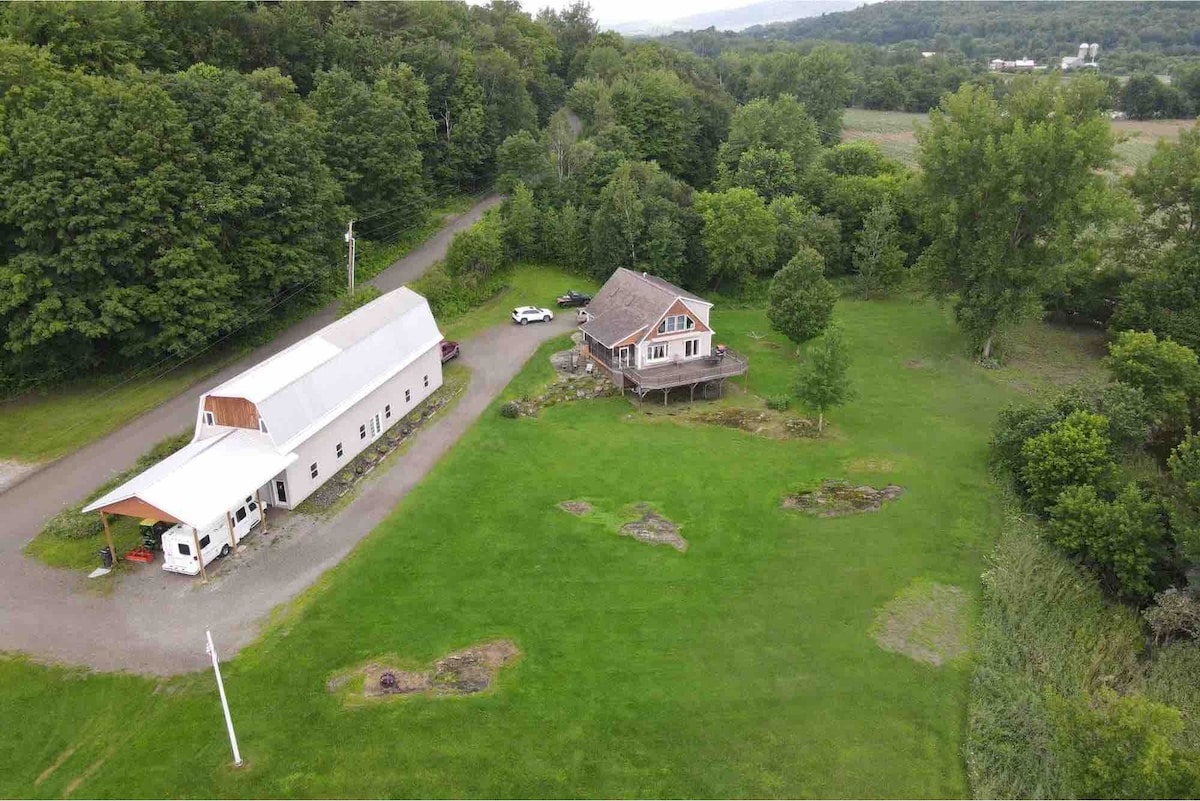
(573, 298)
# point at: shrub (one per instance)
(1129, 415)
(1020, 422)
(72, 524)
(362, 296)
(510, 410)
(1175, 612)
(1166, 372)
(1122, 538)
(479, 250)
(779, 403)
(1184, 464)
(1122, 746)
(1073, 451)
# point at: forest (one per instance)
(1132, 36)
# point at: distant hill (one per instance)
(736, 19)
(1040, 30)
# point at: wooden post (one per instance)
(232, 540)
(199, 556)
(262, 510)
(108, 536)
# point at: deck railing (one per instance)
(692, 371)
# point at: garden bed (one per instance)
(466, 672)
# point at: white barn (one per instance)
(283, 427)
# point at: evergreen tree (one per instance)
(877, 256)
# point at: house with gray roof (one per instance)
(651, 335)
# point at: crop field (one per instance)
(894, 132)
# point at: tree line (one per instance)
(169, 169)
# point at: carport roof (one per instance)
(201, 481)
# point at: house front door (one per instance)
(625, 356)
(280, 492)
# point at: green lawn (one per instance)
(743, 667)
(52, 422)
(527, 285)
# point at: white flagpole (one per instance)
(212, 651)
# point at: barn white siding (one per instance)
(321, 447)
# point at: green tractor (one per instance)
(152, 532)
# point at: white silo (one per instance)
(1083, 50)
(1093, 49)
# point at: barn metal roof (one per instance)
(301, 389)
(200, 482)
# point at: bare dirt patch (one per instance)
(653, 528)
(926, 622)
(914, 364)
(838, 498)
(577, 508)
(466, 672)
(764, 423)
(12, 471)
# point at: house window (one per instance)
(656, 352)
(691, 348)
(262, 426)
(426, 380)
(204, 541)
(209, 420)
(339, 450)
(408, 396)
(387, 411)
(677, 322)
(312, 469)
(362, 431)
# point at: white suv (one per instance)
(527, 314)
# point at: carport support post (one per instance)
(232, 541)
(108, 536)
(262, 510)
(199, 556)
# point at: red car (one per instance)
(449, 350)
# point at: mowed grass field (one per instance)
(894, 132)
(744, 667)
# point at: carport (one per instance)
(198, 484)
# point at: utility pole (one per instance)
(212, 652)
(350, 258)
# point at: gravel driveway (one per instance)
(153, 621)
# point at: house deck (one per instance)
(682, 374)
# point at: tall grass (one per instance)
(1045, 630)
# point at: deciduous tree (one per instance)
(1008, 183)
(823, 382)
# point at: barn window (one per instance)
(312, 469)
(362, 431)
(339, 450)
(387, 411)
(408, 396)
(426, 380)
